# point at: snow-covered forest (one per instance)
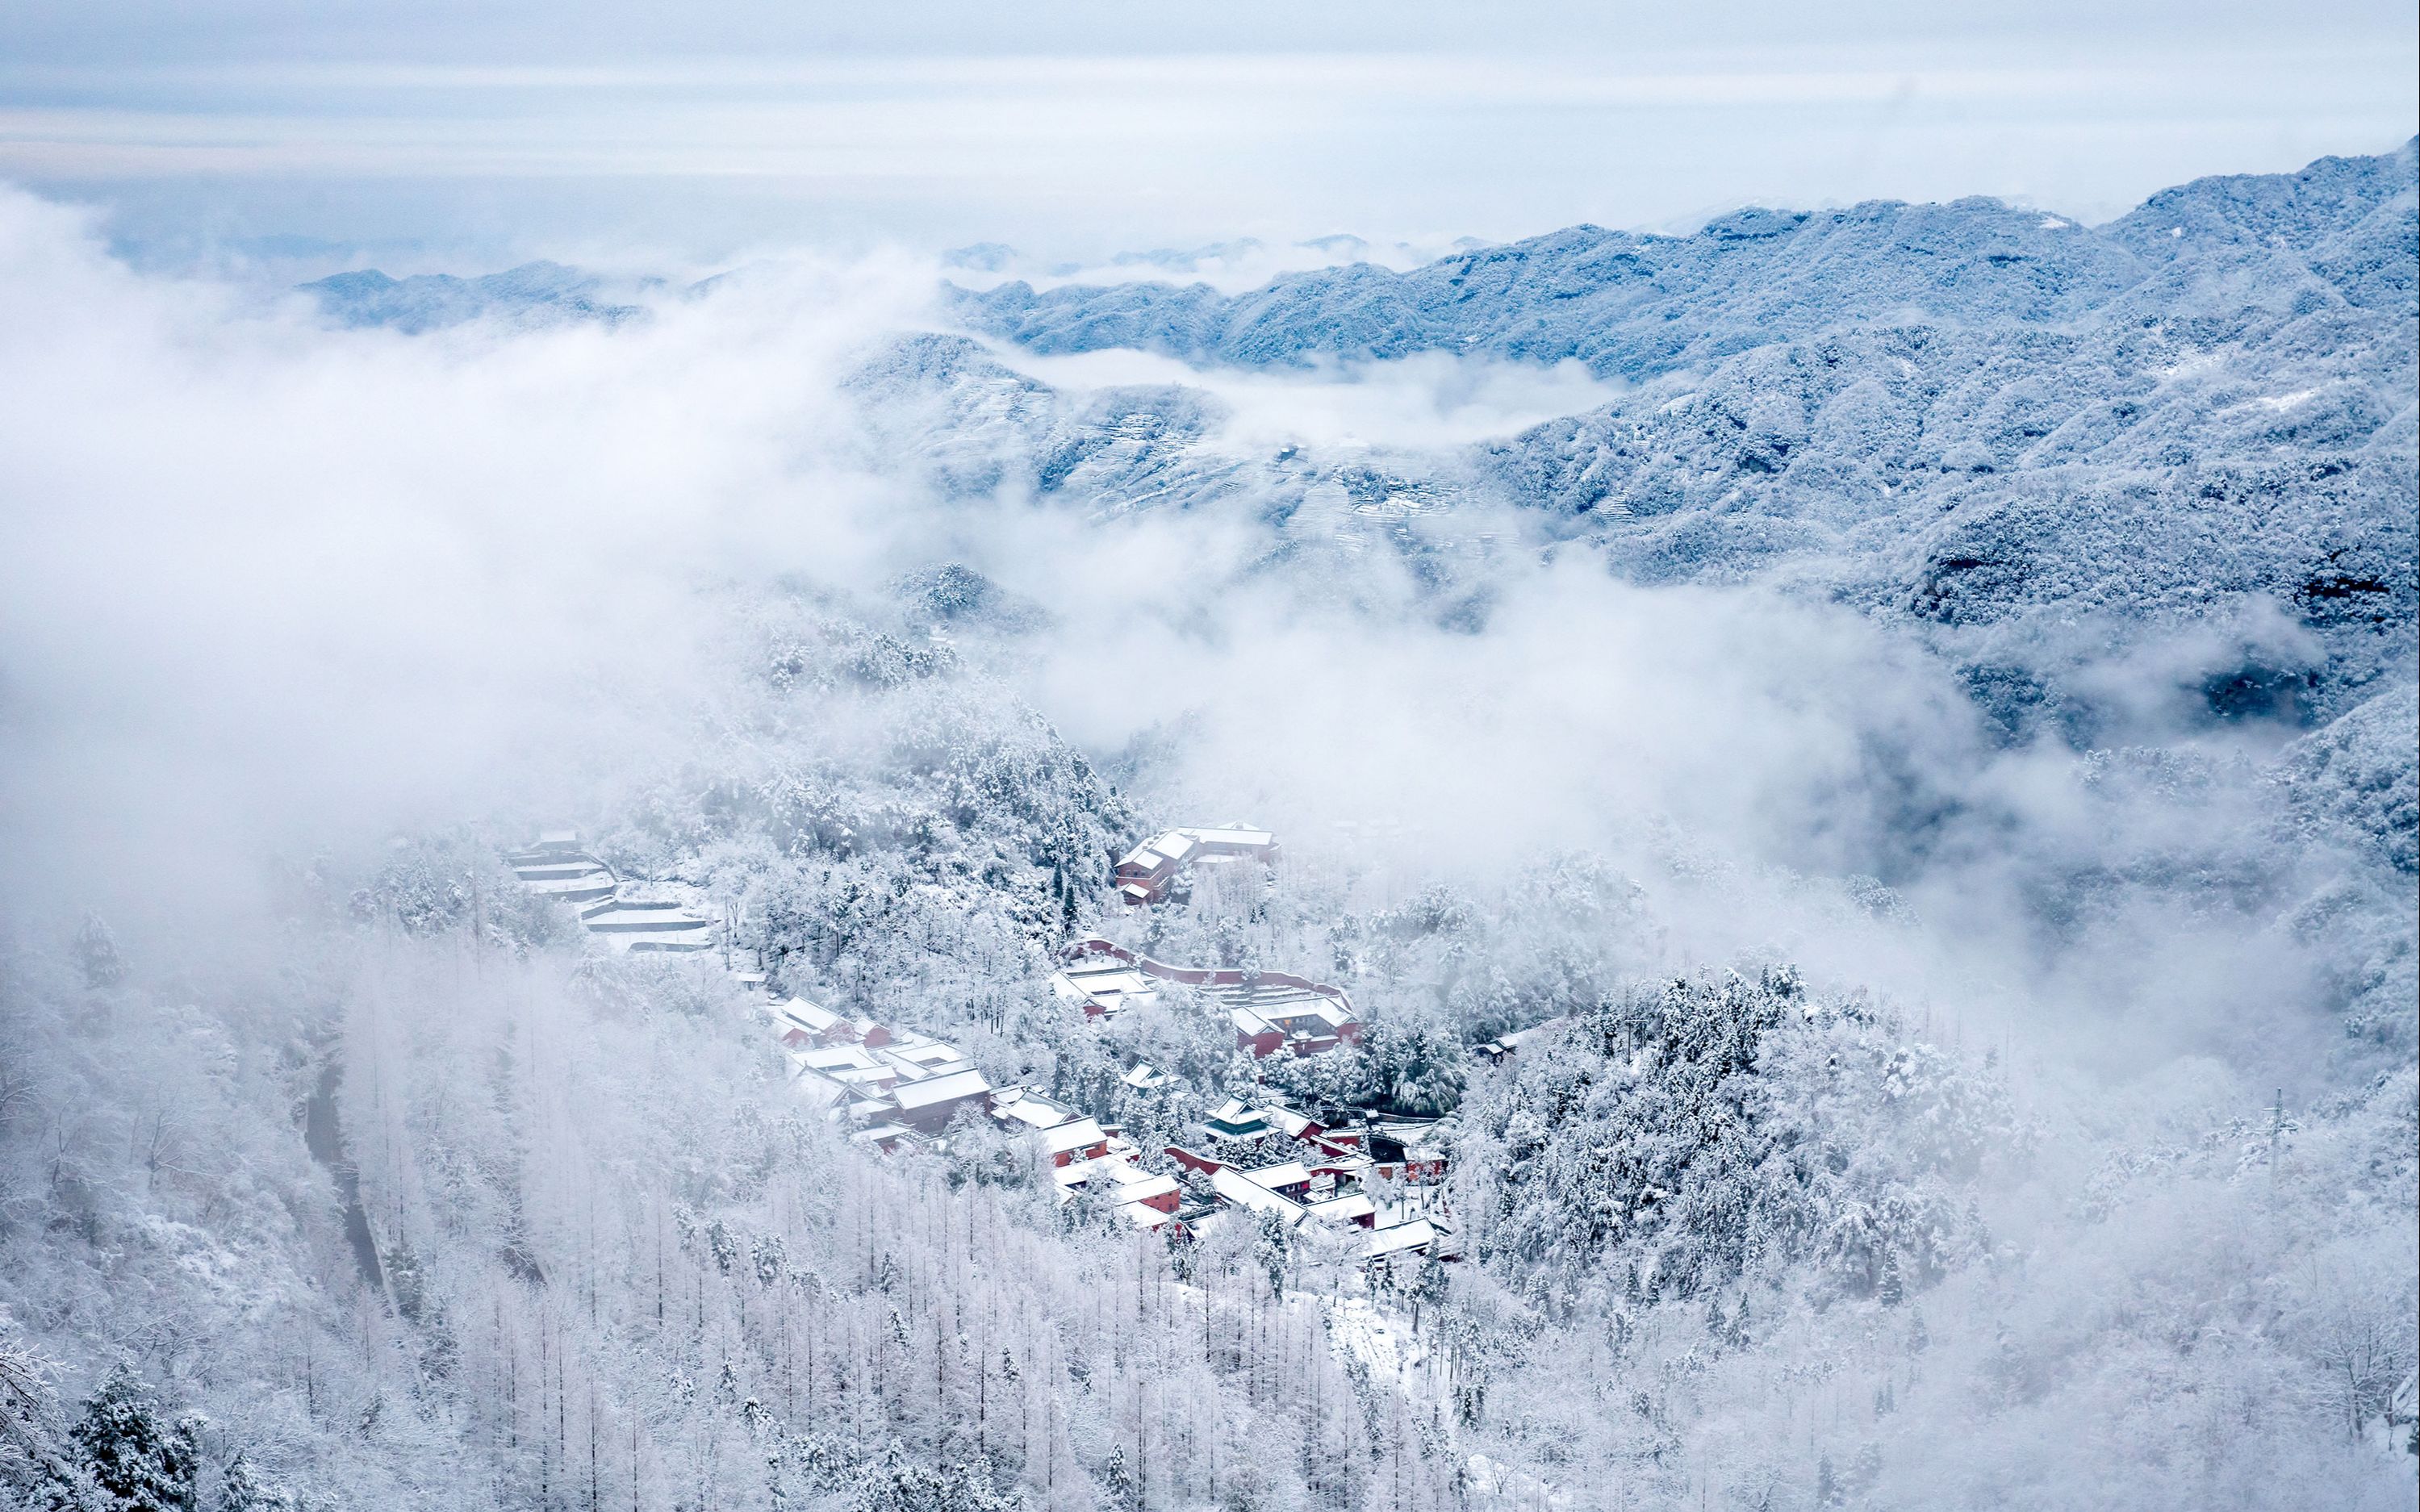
(1882, 825)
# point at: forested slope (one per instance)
(1931, 763)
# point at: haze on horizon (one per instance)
(619, 136)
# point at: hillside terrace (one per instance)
(556, 867)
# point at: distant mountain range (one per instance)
(2117, 475)
(538, 293)
(1639, 306)
(2044, 446)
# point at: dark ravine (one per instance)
(323, 1133)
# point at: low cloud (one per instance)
(273, 586)
(1431, 399)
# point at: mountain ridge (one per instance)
(2020, 262)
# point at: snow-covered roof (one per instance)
(924, 1058)
(1144, 1076)
(1288, 1010)
(835, 1058)
(643, 917)
(1175, 847)
(1294, 1124)
(912, 1096)
(1343, 1210)
(1143, 1215)
(585, 887)
(1239, 837)
(634, 907)
(1147, 857)
(811, 1017)
(1114, 986)
(1077, 1133)
(1233, 1120)
(536, 869)
(1229, 1184)
(1113, 977)
(1290, 1174)
(1142, 1187)
(1030, 1108)
(1418, 1234)
(820, 1089)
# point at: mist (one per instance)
(276, 587)
(798, 594)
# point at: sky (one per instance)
(455, 133)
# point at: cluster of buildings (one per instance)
(1146, 873)
(1371, 1185)
(1270, 1010)
(1336, 1177)
(902, 1090)
(557, 867)
(895, 1085)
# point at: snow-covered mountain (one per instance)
(1642, 305)
(538, 293)
(2040, 444)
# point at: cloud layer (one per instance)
(274, 587)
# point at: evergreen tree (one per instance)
(243, 1489)
(1119, 1484)
(1429, 1285)
(97, 952)
(1272, 1245)
(139, 1464)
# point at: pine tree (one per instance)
(96, 951)
(1430, 1284)
(140, 1464)
(1272, 1245)
(1118, 1482)
(242, 1490)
